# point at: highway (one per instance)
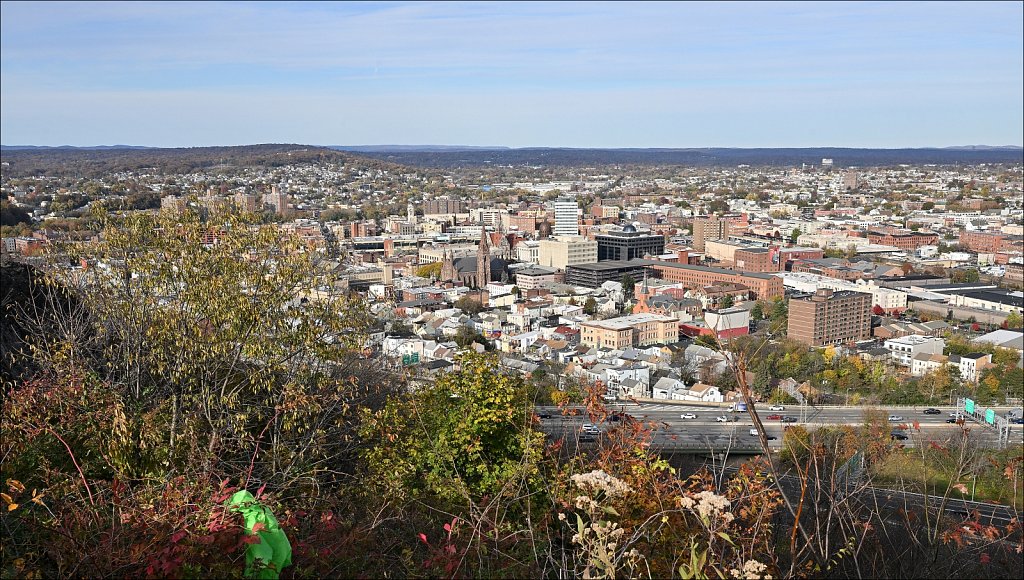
(704, 433)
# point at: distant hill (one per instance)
(414, 148)
(842, 157)
(70, 147)
(94, 162)
(25, 160)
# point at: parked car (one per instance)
(789, 419)
(932, 411)
(774, 417)
(895, 417)
(688, 416)
(776, 408)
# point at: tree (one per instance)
(726, 302)
(204, 346)
(1014, 320)
(757, 312)
(877, 310)
(430, 270)
(464, 434)
(628, 286)
(794, 235)
(965, 276)
(590, 306)
(470, 306)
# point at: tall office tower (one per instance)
(829, 317)
(567, 221)
(411, 213)
(711, 228)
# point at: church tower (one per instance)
(483, 260)
(448, 273)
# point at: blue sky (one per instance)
(515, 74)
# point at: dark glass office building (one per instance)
(628, 244)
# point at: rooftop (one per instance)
(624, 322)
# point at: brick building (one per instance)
(828, 317)
(761, 285)
(906, 240)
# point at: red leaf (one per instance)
(258, 527)
(985, 558)
(424, 538)
(251, 539)
(177, 536)
(259, 492)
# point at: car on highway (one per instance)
(753, 432)
(590, 429)
(955, 418)
(772, 438)
(1018, 421)
(932, 411)
(688, 416)
(895, 417)
(899, 436)
(722, 419)
(776, 408)
(544, 415)
(774, 417)
(789, 419)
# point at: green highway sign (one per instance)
(990, 416)
(969, 405)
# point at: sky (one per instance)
(521, 74)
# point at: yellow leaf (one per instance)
(12, 507)
(6, 498)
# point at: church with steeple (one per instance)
(487, 266)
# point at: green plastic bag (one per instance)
(274, 551)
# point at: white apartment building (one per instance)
(905, 348)
(923, 364)
(971, 365)
(566, 251)
(566, 218)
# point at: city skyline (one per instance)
(602, 75)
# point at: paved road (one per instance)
(704, 432)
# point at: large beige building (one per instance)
(829, 317)
(629, 331)
(711, 228)
(565, 251)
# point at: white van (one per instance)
(754, 433)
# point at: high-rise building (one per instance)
(628, 244)
(443, 205)
(278, 200)
(829, 317)
(711, 228)
(247, 202)
(567, 222)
